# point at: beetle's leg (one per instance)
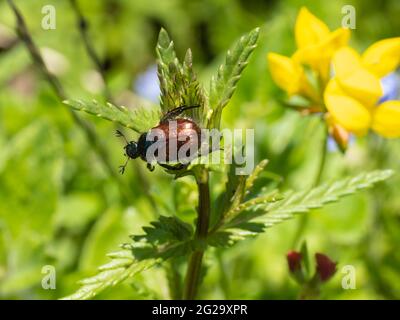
(150, 167)
(171, 114)
(120, 134)
(122, 168)
(173, 168)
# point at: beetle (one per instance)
(183, 130)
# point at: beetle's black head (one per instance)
(132, 150)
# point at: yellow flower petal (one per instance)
(361, 85)
(319, 56)
(386, 119)
(345, 61)
(309, 30)
(337, 39)
(286, 73)
(383, 56)
(346, 111)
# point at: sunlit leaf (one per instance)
(138, 119)
(223, 85)
(122, 266)
(269, 213)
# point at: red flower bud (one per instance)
(338, 133)
(294, 261)
(326, 268)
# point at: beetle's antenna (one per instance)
(122, 168)
(120, 134)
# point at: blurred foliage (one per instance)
(58, 206)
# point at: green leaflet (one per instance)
(223, 85)
(165, 238)
(122, 266)
(178, 81)
(231, 202)
(255, 175)
(254, 219)
(232, 194)
(138, 119)
(165, 50)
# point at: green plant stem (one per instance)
(322, 162)
(193, 273)
(317, 180)
(310, 290)
(24, 35)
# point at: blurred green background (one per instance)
(58, 206)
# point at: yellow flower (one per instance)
(386, 119)
(352, 95)
(383, 56)
(352, 99)
(286, 73)
(316, 45)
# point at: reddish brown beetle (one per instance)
(172, 129)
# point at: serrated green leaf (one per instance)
(165, 49)
(231, 236)
(223, 85)
(178, 82)
(304, 201)
(254, 175)
(139, 120)
(122, 266)
(271, 213)
(237, 187)
(168, 72)
(166, 237)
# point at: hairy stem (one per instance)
(24, 35)
(193, 273)
(304, 218)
